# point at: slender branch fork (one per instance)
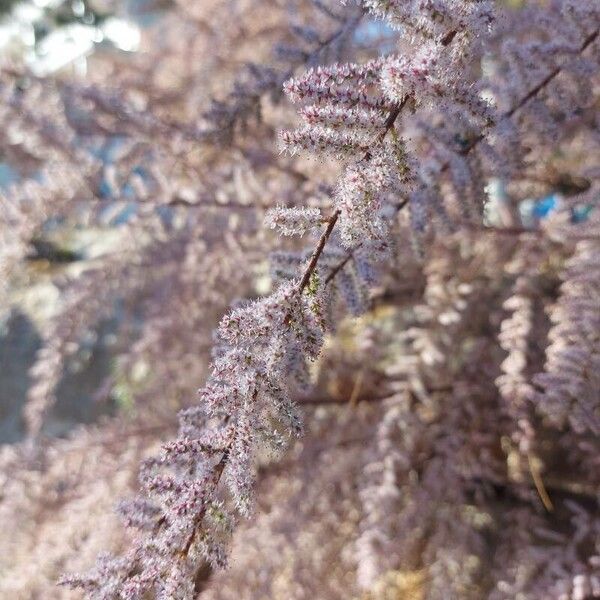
(589, 40)
(314, 259)
(331, 222)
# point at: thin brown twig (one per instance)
(314, 259)
(544, 82)
(531, 94)
(389, 123)
(536, 475)
(210, 202)
(217, 473)
(501, 230)
(350, 254)
(356, 389)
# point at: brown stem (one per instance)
(447, 39)
(209, 202)
(544, 82)
(314, 259)
(501, 230)
(387, 126)
(350, 254)
(371, 398)
(389, 123)
(218, 472)
(339, 267)
(531, 94)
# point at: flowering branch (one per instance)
(194, 491)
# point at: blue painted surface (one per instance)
(538, 210)
(542, 208)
